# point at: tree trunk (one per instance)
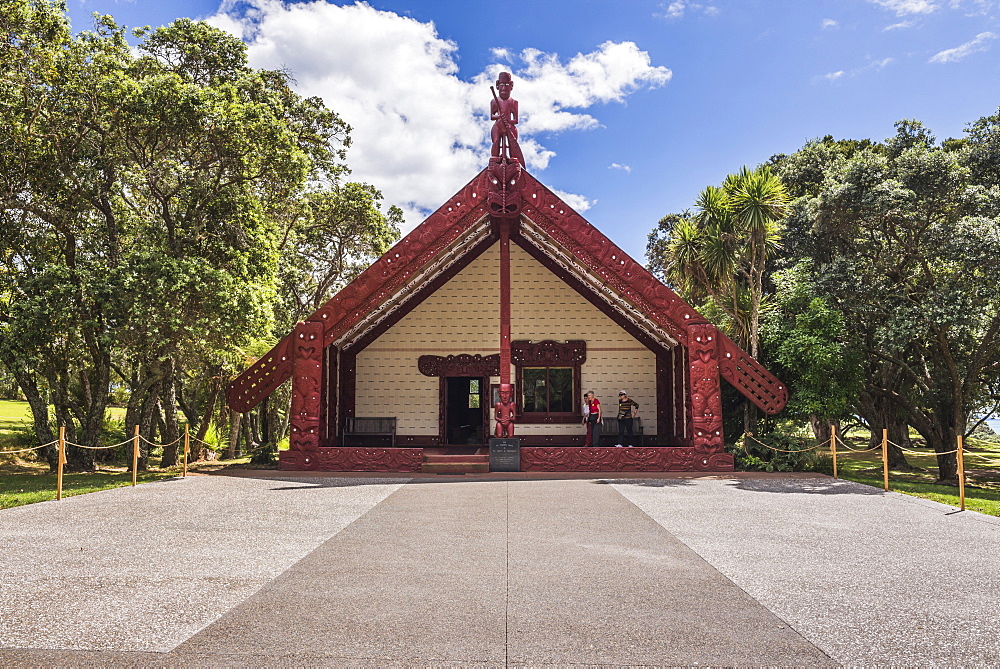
(39, 410)
(146, 423)
(881, 415)
(206, 418)
(235, 418)
(171, 433)
(822, 428)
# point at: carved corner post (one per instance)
(706, 398)
(307, 381)
(503, 410)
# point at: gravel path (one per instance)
(281, 571)
(870, 577)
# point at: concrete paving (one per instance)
(317, 571)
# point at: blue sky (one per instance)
(629, 108)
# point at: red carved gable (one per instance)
(553, 228)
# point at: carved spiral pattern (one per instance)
(667, 459)
(548, 353)
(355, 460)
(463, 364)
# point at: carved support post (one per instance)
(504, 225)
(307, 379)
(706, 397)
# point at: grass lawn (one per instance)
(24, 480)
(982, 474)
(26, 487)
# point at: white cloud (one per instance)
(674, 10)
(979, 43)
(972, 7)
(624, 168)
(501, 54)
(902, 25)
(579, 203)
(873, 65)
(906, 7)
(677, 9)
(828, 23)
(419, 131)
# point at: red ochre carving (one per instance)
(464, 364)
(635, 283)
(372, 288)
(307, 379)
(651, 459)
(348, 459)
(548, 353)
(706, 391)
(504, 411)
(590, 248)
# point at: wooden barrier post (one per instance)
(833, 447)
(187, 447)
(885, 458)
(62, 462)
(961, 473)
(135, 455)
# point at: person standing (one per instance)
(593, 420)
(627, 410)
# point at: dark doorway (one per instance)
(464, 411)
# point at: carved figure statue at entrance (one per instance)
(503, 111)
(504, 411)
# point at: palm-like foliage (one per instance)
(722, 251)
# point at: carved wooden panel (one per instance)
(548, 353)
(706, 391)
(462, 364)
(667, 459)
(759, 385)
(354, 460)
(307, 378)
(262, 378)
(373, 287)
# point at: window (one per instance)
(548, 380)
(547, 390)
(474, 394)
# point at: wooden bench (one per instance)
(609, 431)
(370, 431)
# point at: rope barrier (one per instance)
(97, 448)
(142, 438)
(982, 457)
(798, 450)
(26, 450)
(857, 450)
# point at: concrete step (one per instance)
(455, 467)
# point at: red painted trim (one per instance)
(587, 293)
(348, 388)
(664, 389)
(418, 440)
(426, 291)
(355, 459)
(655, 459)
(504, 226)
(328, 414)
(307, 384)
(568, 229)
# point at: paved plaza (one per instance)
(274, 570)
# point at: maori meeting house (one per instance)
(504, 284)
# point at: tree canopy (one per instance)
(166, 211)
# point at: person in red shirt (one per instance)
(593, 420)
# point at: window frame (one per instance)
(549, 354)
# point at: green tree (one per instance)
(718, 258)
(905, 244)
